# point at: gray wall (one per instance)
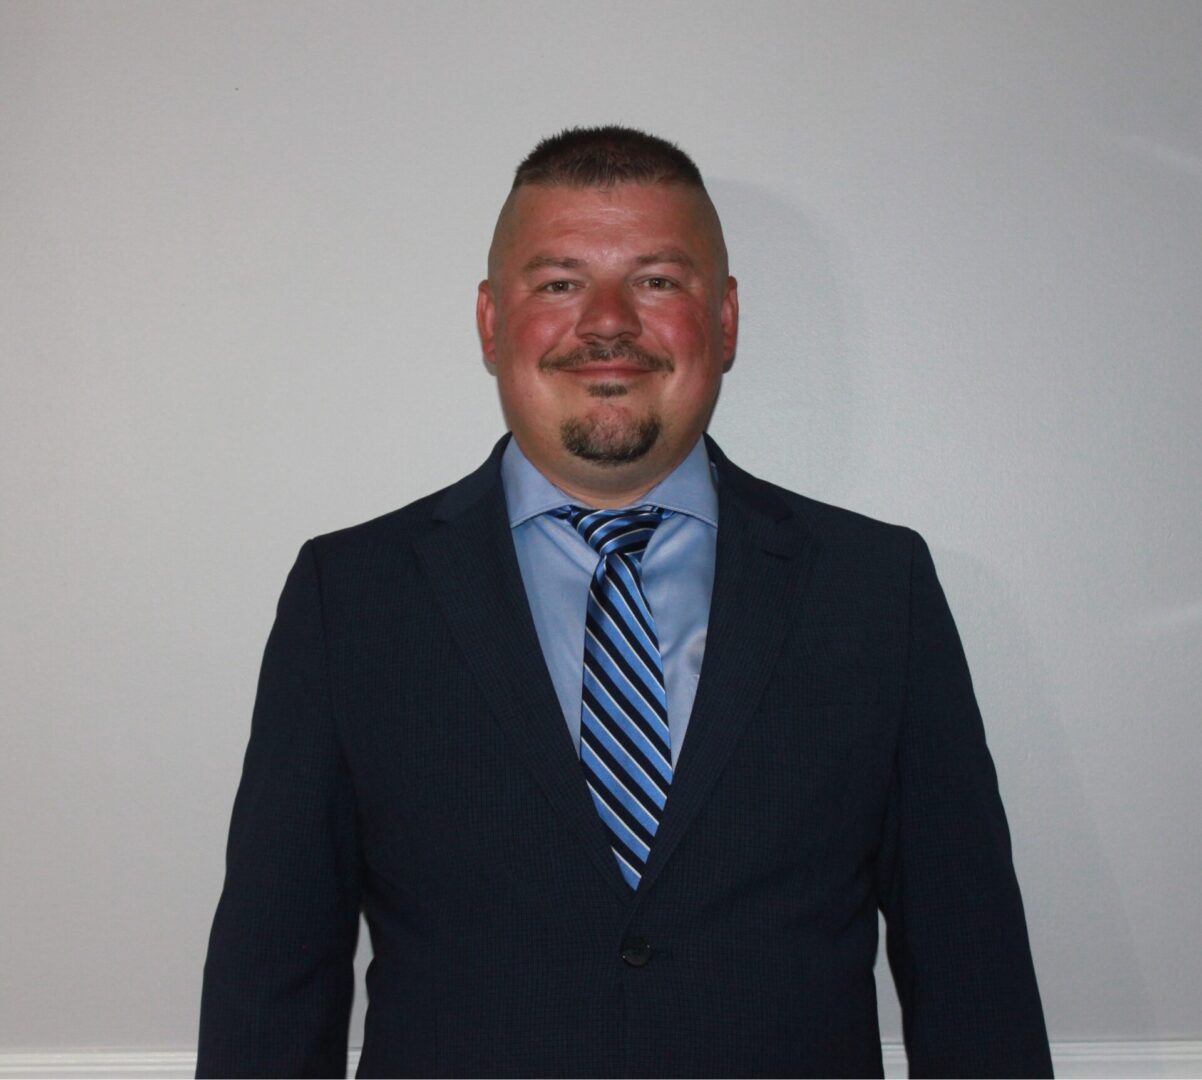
(240, 248)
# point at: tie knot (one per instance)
(610, 532)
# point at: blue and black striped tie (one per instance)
(625, 744)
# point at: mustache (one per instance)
(594, 354)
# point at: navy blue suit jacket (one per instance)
(408, 758)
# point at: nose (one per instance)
(608, 314)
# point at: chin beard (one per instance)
(609, 443)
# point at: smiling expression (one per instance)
(609, 319)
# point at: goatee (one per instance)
(609, 443)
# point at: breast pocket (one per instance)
(816, 741)
(799, 684)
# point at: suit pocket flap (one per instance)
(828, 685)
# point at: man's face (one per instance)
(609, 318)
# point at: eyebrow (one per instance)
(561, 262)
(565, 262)
(667, 255)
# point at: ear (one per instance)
(730, 322)
(486, 321)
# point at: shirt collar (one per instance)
(691, 488)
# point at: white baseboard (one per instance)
(1170, 1058)
(1102, 1060)
(99, 1063)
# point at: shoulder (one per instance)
(389, 540)
(386, 532)
(860, 573)
(837, 523)
(828, 526)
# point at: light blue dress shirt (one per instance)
(557, 566)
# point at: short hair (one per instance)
(605, 156)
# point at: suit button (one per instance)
(635, 951)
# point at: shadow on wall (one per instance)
(1084, 951)
(798, 409)
(792, 404)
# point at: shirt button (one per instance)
(635, 951)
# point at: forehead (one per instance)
(626, 216)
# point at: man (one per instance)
(618, 748)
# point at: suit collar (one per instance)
(460, 497)
(781, 531)
(749, 493)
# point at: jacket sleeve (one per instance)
(279, 977)
(956, 933)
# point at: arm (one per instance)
(956, 934)
(279, 976)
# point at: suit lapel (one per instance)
(763, 559)
(472, 567)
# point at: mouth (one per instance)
(609, 370)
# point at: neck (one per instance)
(606, 487)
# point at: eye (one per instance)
(659, 284)
(557, 286)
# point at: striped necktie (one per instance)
(625, 744)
